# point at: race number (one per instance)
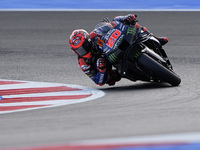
(113, 38)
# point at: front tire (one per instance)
(159, 71)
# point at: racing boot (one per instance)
(162, 40)
(114, 77)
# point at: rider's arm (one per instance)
(130, 18)
(119, 18)
(97, 74)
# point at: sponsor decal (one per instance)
(113, 58)
(137, 54)
(131, 30)
(101, 78)
(100, 42)
(85, 67)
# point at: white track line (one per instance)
(79, 93)
(191, 137)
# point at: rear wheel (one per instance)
(159, 71)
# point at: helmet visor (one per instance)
(84, 49)
(81, 51)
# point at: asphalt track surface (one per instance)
(34, 47)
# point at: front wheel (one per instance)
(158, 71)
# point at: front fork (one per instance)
(163, 59)
(160, 51)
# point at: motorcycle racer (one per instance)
(88, 46)
(91, 63)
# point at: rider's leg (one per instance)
(162, 40)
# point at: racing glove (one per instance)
(101, 64)
(130, 19)
(114, 77)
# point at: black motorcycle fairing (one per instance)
(125, 45)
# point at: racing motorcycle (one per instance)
(137, 55)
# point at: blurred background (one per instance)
(33, 47)
(100, 4)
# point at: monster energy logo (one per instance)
(113, 58)
(137, 54)
(131, 30)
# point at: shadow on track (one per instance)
(140, 86)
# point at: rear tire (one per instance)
(159, 71)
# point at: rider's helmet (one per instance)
(80, 43)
